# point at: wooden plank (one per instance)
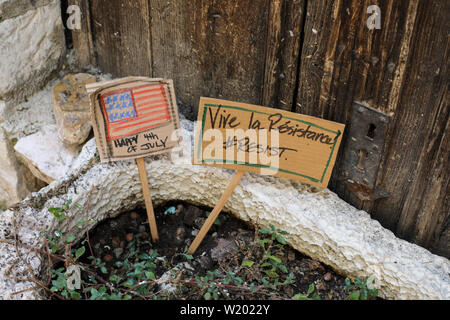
(121, 34)
(210, 48)
(417, 158)
(82, 39)
(343, 61)
(283, 42)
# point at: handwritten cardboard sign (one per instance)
(263, 140)
(133, 117)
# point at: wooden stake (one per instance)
(148, 198)
(213, 215)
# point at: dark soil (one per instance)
(217, 264)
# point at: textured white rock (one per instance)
(11, 188)
(45, 154)
(320, 224)
(31, 46)
(16, 122)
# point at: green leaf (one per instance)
(79, 252)
(273, 258)
(310, 289)
(58, 213)
(281, 240)
(364, 294)
(300, 296)
(103, 270)
(283, 268)
(75, 295)
(207, 296)
(70, 238)
(354, 295)
(248, 263)
(189, 256)
(150, 275)
(264, 230)
(114, 278)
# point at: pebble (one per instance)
(327, 276)
(134, 215)
(107, 257)
(118, 252)
(194, 232)
(116, 242)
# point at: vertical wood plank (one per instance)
(121, 35)
(343, 61)
(210, 48)
(285, 22)
(82, 39)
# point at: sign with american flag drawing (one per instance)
(134, 117)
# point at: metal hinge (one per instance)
(363, 151)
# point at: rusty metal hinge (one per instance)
(363, 151)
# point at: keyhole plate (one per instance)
(365, 143)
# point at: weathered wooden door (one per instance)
(315, 57)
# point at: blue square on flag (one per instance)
(119, 106)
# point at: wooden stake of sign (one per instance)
(214, 214)
(125, 129)
(147, 198)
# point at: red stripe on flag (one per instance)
(148, 97)
(153, 107)
(145, 91)
(118, 128)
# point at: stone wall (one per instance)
(32, 46)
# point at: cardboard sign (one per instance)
(134, 117)
(268, 141)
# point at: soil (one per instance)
(218, 259)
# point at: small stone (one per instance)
(116, 242)
(224, 248)
(191, 214)
(134, 215)
(144, 235)
(179, 235)
(71, 107)
(118, 252)
(107, 258)
(314, 265)
(291, 255)
(198, 223)
(194, 232)
(205, 262)
(179, 209)
(321, 286)
(45, 155)
(129, 237)
(327, 276)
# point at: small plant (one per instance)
(361, 289)
(311, 290)
(272, 263)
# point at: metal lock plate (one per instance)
(363, 151)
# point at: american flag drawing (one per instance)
(134, 110)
